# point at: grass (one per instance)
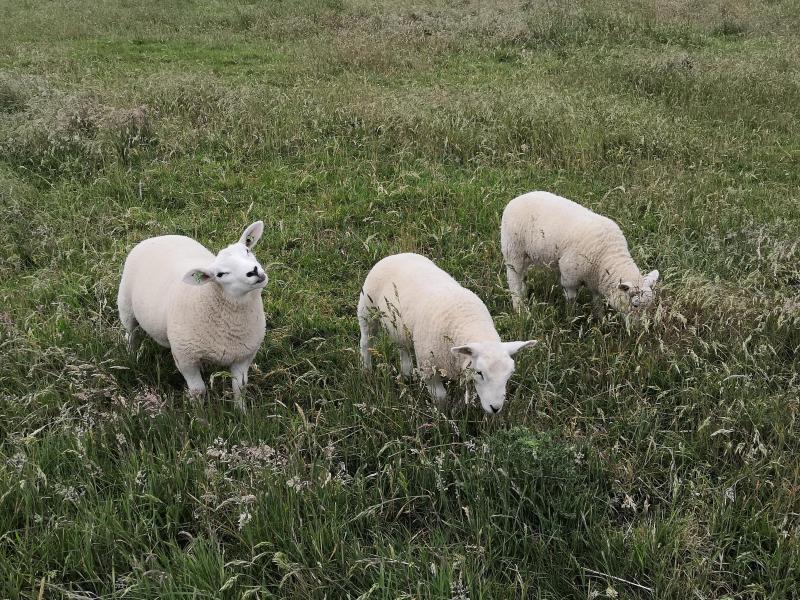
(649, 461)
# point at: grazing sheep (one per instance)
(206, 308)
(447, 326)
(540, 228)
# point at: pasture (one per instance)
(655, 460)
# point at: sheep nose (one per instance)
(254, 272)
(495, 409)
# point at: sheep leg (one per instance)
(132, 334)
(132, 339)
(129, 322)
(597, 305)
(515, 273)
(194, 378)
(437, 391)
(569, 279)
(368, 330)
(406, 366)
(239, 375)
(570, 293)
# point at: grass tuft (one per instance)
(634, 459)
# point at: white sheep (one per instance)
(207, 309)
(447, 326)
(542, 229)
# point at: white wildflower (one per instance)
(17, 462)
(459, 591)
(297, 484)
(730, 494)
(629, 503)
(244, 518)
(439, 461)
(69, 493)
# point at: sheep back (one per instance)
(421, 305)
(547, 229)
(152, 270)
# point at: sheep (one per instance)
(207, 309)
(540, 228)
(448, 327)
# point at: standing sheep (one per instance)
(540, 228)
(447, 326)
(206, 308)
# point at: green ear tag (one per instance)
(198, 276)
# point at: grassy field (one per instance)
(660, 460)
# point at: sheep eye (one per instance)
(220, 274)
(480, 373)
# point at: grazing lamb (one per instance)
(206, 308)
(540, 228)
(448, 327)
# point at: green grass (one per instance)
(657, 460)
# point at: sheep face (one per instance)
(639, 295)
(490, 365)
(235, 269)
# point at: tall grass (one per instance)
(656, 460)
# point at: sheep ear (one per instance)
(651, 278)
(514, 347)
(252, 234)
(625, 286)
(197, 277)
(466, 349)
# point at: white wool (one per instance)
(200, 323)
(436, 312)
(542, 229)
(426, 311)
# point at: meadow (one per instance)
(658, 459)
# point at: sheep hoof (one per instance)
(240, 405)
(196, 396)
